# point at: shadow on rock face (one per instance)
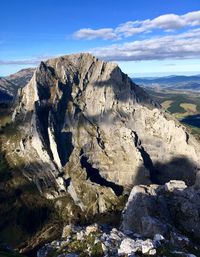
(94, 175)
(125, 90)
(179, 168)
(161, 209)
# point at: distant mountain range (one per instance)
(171, 82)
(9, 85)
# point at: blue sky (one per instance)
(145, 37)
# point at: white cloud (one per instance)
(130, 28)
(182, 46)
(167, 21)
(193, 18)
(164, 22)
(19, 62)
(105, 33)
(29, 61)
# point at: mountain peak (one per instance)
(88, 130)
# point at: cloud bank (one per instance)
(166, 22)
(179, 45)
(182, 46)
(19, 62)
(30, 61)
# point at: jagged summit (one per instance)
(84, 68)
(89, 133)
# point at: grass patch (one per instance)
(81, 247)
(175, 98)
(166, 104)
(189, 108)
(97, 250)
(176, 106)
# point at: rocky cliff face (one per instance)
(88, 132)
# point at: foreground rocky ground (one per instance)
(156, 221)
(106, 241)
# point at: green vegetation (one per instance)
(97, 250)
(81, 247)
(176, 99)
(176, 108)
(25, 212)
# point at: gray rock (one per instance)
(148, 247)
(86, 134)
(127, 246)
(175, 185)
(152, 210)
(139, 213)
(80, 235)
(114, 247)
(104, 248)
(92, 229)
(158, 238)
(152, 252)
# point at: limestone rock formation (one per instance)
(165, 209)
(88, 132)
